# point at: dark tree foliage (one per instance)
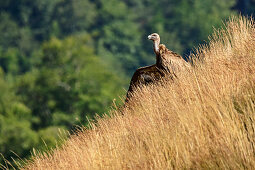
(68, 79)
(245, 7)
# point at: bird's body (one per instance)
(167, 62)
(170, 61)
(144, 76)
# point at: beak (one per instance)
(149, 37)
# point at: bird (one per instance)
(167, 63)
(166, 59)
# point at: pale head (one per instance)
(154, 37)
(156, 40)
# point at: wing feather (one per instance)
(143, 76)
(171, 61)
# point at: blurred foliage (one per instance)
(63, 61)
(70, 80)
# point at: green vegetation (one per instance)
(63, 61)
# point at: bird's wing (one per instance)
(165, 51)
(143, 75)
(172, 61)
(145, 72)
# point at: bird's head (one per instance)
(154, 37)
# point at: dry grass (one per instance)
(202, 120)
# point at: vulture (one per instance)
(167, 61)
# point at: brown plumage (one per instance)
(167, 61)
(170, 61)
(144, 76)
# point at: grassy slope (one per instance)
(205, 119)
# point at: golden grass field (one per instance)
(202, 120)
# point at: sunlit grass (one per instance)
(202, 120)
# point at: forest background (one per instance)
(63, 61)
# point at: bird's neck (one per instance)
(156, 51)
(156, 46)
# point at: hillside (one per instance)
(204, 119)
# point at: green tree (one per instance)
(74, 16)
(15, 123)
(118, 37)
(70, 81)
(9, 31)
